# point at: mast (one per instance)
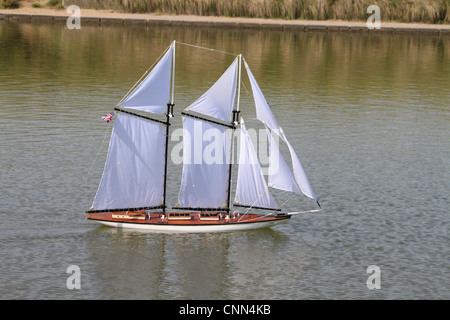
(239, 83)
(173, 71)
(169, 114)
(234, 123)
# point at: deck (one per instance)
(182, 218)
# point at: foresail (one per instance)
(134, 171)
(265, 115)
(263, 112)
(153, 93)
(218, 101)
(204, 180)
(300, 175)
(251, 189)
(279, 174)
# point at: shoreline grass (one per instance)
(409, 11)
(405, 11)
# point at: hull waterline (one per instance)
(193, 225)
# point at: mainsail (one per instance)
(205, 171)
(205, 178)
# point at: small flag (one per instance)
(108, 117)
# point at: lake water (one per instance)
(369, 116)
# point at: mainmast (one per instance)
(234, 123)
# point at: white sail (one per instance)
(299, 174)
(279, 175)
(206, 149)
(153, 93)
(251, 189)
(134, 171)
(218, 101)
(265, 115)
(263, 112)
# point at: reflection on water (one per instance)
(142, 265)
(368, 114)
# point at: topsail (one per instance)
(153, 93)
(218, 101)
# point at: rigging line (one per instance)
(242, 81)
(246, 90)
(288, 199)
(258, 216)
(266, 191)
(95, 159)
(270, 213)
(208, 49)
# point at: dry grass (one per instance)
(428, 11)
(9, 4)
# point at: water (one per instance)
(368, 115)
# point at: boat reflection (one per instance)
(135, 264)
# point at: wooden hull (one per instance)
(190, 223)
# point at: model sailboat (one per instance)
(132, 192)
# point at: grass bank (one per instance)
(409, 11)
